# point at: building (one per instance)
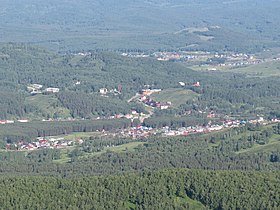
(103, 91)
(52, 90)
(196, 84)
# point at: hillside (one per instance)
(271, 68)
(76, 25)
(80, 78)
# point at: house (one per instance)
(34, 92)
(147, 92)
(10, 121)
(196, 84)
(23, 121)
(52, 90)
(37, 86)
(103, 91)
(182, 84)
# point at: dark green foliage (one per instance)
(157, 190)
(141, 25)
(175, 122)
(86, 106)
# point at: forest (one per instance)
(167, 189)
(243, 26)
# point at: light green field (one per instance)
(176, 96)
(78, 135)
(273, 145)
(44, 104)
(266, 69)
(195, 205)
(64, 155)
(118, 149)
(208, 68)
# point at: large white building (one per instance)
(52, 90)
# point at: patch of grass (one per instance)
(208, 68)
(64, 158)
(130, 205)
(79, 135)
(45, 104)
(193, 204)
(176, 96)
(266, 69)
(118, 149)
(274, 144)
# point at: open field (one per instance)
(78, 135)
(64, 158)
(208, 68)
(176, 96)
(266, 69)
(46, 104)
(195, 205)
(273, 145)
(118, 149)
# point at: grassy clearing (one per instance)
(45, 104)
(176, 96)
(118, 149)
(193, 204)
(209, 68)
(79, 135)
(266, 69)
(64, 158)
(273, 145)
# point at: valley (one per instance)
(141, 104)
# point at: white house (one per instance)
(52, 90)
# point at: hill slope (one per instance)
(141, 24)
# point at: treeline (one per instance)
(175, 122)
(168, 189)
(11, 104)
(10, 133)
(88, 105)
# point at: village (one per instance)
(135, 132)
(209, 60)
(139, 131)
(43, 143)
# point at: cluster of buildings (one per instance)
(3, 122)
(143, 131)
(105, 91)
(42, 143)
(131, 116)
(229, 59)
(137, 132)
(166, 131)
(155, 104)
(38, 89)
(145, 98)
